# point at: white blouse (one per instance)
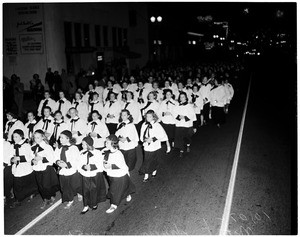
(113, 109)
(197, 102)
(29, 132)
(46, 152)
(8, 152)
(78, 126)
(128, 131)
(94, 158)
(154, 131)
(23, 168)
(119, 167)
(167, 106)
(51, 103)
(46, 125)
(134, 108)
(217, 96)
(205, 91)
(82, 108)
(149, 105)
(16, 124)
(102, 131)
(65, 106)
(188, 112)
(72, 160)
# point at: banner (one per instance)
(11, 47)
(31, 43)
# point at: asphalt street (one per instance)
(188, 194)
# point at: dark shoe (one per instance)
(95, 207)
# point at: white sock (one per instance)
(146, 176)
(154, 172)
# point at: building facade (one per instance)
(72, 36)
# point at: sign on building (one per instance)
(31, 43)
(11, 47)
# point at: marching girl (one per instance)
(112, 111)
(89, 94)
(66, 158)
(155, 89)
(128, 138)
(197, 103)
(230, 92)
(141, 93)
(77, 127)
(97, 130)
(24, 184)
(12, 124)
(182, 89)
(8, 152)
(42, 164)
(166, 113)
(29, 126)
(91, 170)
(151, 104)
(99, 89)
(189, 84)
(217, 99)
(46, 102)
(185, 116)
(120, 184)
(152, 134)
(108, 88)
(133, 107)
(81, 106)
(96, 104)
(123, 92)
(205, 91)
(63, 104)
(59, 126)
(46, 124)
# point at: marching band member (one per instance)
(76, 126)
(89, 94)
(205, 91)
(8, 153)
(46, 124)
(120, 184)
(166, 113)
(185, 116)
(29, 126)
(91, 169)
(141, 93)
(96, 104)
(112, 111)
(67, 157)
(128, 138)
(197, 103)
(81, 106)
(42, 164)
(46, 102)
(133, 107)
(217, 99)
(63, 104)
(12, 124)
(97, 130)
(151, 104)
(24, 184)
(152, 134)
(59, 126)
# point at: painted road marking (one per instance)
(38, 218)
(228, 203)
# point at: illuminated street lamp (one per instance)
(152, 19)
(159, 19)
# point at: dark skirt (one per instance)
(205, 111)
(112, 127)
(183, 136)
(70, 186)
(94, 190)
(24, 186)
(150, 162)
(47, 182)
(119, 188)
(218, 115)
(8, 181)
(170, 130)
(197, 122)
(130, 158)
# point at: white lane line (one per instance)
(38, 218)
(227, 209)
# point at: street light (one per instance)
(159, 19)
(194, 42)
(152, 19)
